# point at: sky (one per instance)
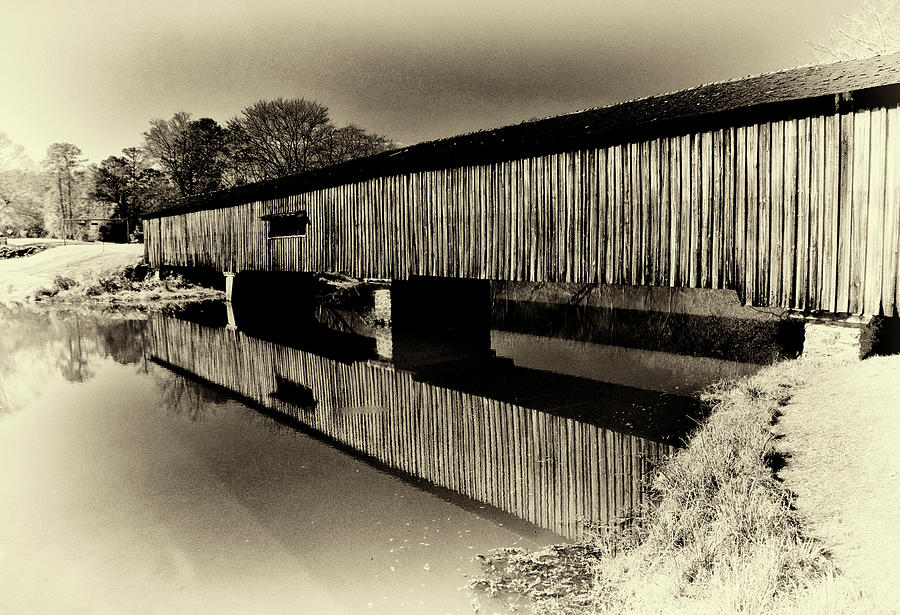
(95, 72)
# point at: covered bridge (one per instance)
(784, 187)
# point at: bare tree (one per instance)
(343, 144)
(873, 30)
(192, 153)
(65, 166)
(274, 138)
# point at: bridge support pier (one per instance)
(439, 321)
(231, 323)
(229, 285)
(840, 340)
(456, 306)
(381, 310)
(850, 338)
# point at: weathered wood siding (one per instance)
(801, 213)
(549, 470)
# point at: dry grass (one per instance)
(725, 536)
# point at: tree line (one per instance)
(179, 157)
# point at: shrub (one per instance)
(63, 282)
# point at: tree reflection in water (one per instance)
(73, 364)
(187, 399)
(71, 342)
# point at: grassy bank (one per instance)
(724, 537)
(134, 286)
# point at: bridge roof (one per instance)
(797, 92)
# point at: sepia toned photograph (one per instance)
(414, 308)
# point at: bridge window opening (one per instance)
(292, 224)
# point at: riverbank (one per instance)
(106, 275)
(22, 278)
(135, 286)
(728, 534)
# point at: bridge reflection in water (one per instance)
(551, 449)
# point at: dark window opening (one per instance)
(293, 224)
(294, 393)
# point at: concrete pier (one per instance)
(441, 305)
(229, 285)
(838, 339)
(231, 323)
(381, 310)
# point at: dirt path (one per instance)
(20, 278)
(842, 430)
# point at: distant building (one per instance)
(96, 229)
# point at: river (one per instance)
(180, 463)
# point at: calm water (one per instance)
(180, 464)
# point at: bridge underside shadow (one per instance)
(695, 322)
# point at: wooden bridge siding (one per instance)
(549, 470)
(799, 213)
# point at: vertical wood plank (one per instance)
(595, 212)
(830, 211)
(890, 287)
(634, 175)
(665, 214)
(605, 213)
(804, 158)
(698, 239)
(727, 207)
(687, 201)
(845, 212)
(716, 232)
(789, 235)
(531, 219)
(574, 247)
(740, 213)
(816, 211)
(610, 222)
(631, 198)
(674, 211)
(859, 217)
(763, 215)
(620, 216)
(643, 178)
(705, 236)
(553, 273)
(874, 240)
(537, 195)
(776, 207)
(520, 207)
(556, 202)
